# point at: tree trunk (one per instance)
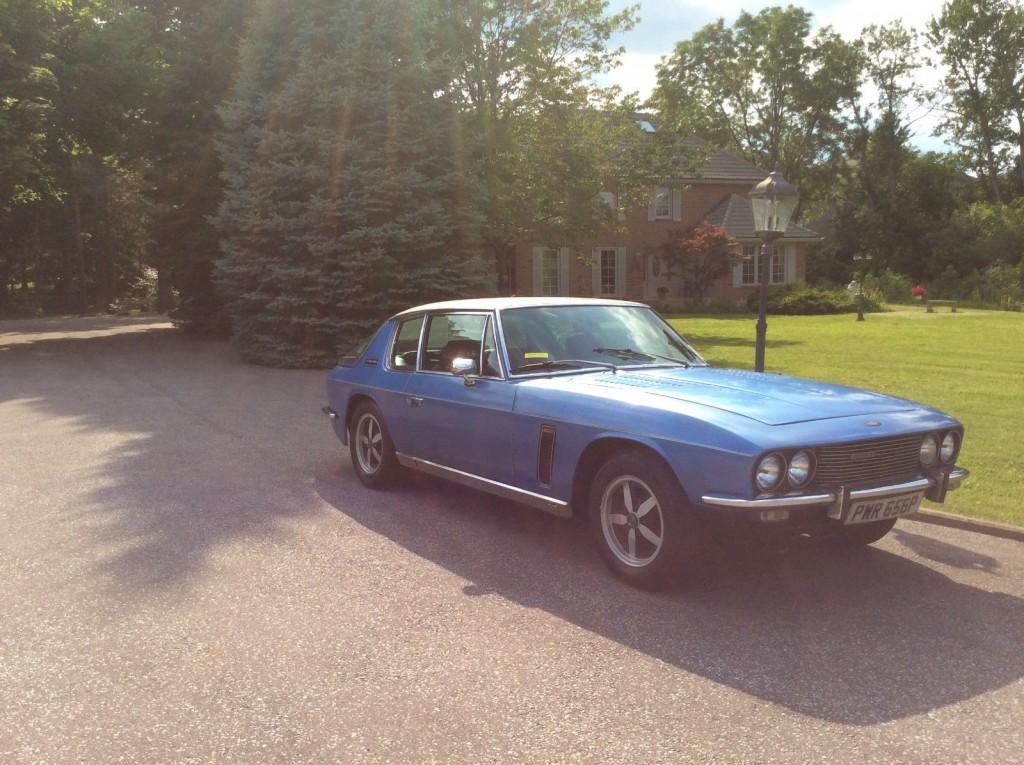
(164, 298)
(1020, 149)
(79, 252)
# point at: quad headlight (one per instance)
(801, 465)
(948, 448)
(929, 450)
(770, 471)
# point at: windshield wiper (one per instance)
(629, 353)
(555, 363)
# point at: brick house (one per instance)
(623, 264)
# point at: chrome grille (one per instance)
(868, 461)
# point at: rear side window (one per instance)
(405, 351)
(350, 358)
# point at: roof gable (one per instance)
(736, 215)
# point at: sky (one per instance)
(665, 22)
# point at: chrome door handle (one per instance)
(413, 400)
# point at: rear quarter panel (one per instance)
(369, 377)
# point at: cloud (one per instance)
(849, 17)
(635, 73)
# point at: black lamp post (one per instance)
(773, 201)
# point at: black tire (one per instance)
(863, 534)
(377, 466)
(653, 566)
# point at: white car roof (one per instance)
(504, 303)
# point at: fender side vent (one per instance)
(546, 454)
(371, 362)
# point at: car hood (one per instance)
(767, 398)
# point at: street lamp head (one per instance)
(773, 202)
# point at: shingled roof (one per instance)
(720, 164)
(736, 216)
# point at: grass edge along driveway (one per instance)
(970, 364)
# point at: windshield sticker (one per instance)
(536, 355)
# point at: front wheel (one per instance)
(862, 534)
(373, 454)
(642, 524)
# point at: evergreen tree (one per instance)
(197, 43)
(344, 201)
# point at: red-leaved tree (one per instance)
(700, 255)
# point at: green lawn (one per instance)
(970, 364)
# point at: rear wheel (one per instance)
(863, 534)
(641, 522)
(373, 454)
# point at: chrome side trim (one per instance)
(538, 501)
(956, 477)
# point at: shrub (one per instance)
(1000, 285)
(140, 297)
(801, 299)
(892, 286)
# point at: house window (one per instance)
(549, 272)
(609, 266)
(606, 262)
(663, 203)
(750, 272)
(778, 275)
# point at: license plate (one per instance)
(883, 508)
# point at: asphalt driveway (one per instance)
(189, 572)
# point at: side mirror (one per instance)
(466, 369)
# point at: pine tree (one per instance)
(344, 200)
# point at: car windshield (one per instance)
(600, 336)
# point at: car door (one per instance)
(400, 364)
(461, 422)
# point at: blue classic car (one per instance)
(598, 407)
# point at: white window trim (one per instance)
(563, 270)
(784, 251)
(620, 272)
(675, 204)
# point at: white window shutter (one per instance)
(737, 275)
(677, 204)
(563, 271)
(651, 205)
(538, 257)
(595, 272)
(790, 264)
(620, 270)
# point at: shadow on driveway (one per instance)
(860, 638)
(189, 449)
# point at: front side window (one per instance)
(453, 336)
(407, 344)
(489, 364)
(559, 338)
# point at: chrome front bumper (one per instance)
(956, 477)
